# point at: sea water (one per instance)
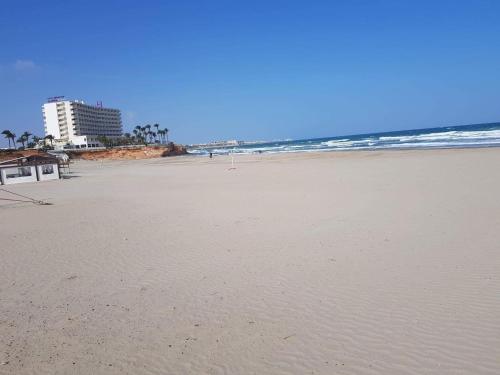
(478, 135)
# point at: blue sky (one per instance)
(254, 70)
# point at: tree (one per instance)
(22, 139)
(161, 134)
(13, 137)
(127, 138)
(50, 137)
(35, 142)
(107, 142)
(166, 133)
(26, 136)
(136, 135)
(8, 134)
(156, 126)
(138, 128)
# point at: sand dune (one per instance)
(334, 263)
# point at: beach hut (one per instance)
(29, 169)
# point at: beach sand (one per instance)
(327, 263)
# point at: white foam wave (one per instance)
(443, 139)
(448, 136)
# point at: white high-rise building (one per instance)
(78, 124)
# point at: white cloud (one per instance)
(24, 65)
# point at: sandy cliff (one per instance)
(147, 152)
(13, 154)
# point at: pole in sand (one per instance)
(232, 161)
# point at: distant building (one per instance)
(78, 124)
(230, 143)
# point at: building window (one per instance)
(48, 169)
(18, 172)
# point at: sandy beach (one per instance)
(312, 263)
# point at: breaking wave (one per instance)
(481, 135)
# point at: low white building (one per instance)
(29, 169)
(80, 125)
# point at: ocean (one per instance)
(477, 135)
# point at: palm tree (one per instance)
(34, 142)
(13, 137)
(144, 134)
(136, 134)
(161, 133)
(156, 126)
(50, 137)
(166, 133)
(22, 139)
(8, 134)
(153, 136)
(27, 136)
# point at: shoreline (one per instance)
(354, 150)
(265, 155)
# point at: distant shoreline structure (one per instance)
(224, 144)
(462, 136)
